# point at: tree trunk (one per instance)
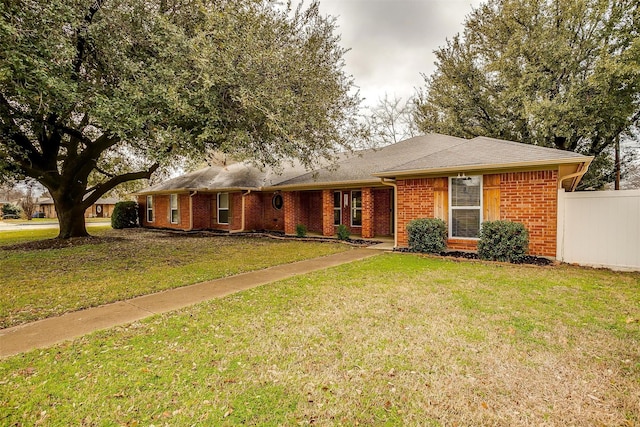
(71, 221)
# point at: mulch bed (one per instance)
(529, 259)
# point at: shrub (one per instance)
(125, 215)
(503, 241)
(427, 235)
(10, 209)
(343, 232)
(301, 230)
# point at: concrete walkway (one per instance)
(47, 332)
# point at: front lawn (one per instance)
(39, 283)
(390, 340)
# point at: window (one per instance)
(149, 208)
(277, 202)
(465, 201)
(337, 208)
(173, 209)
(356, 208)
(223, 208)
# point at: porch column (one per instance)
(327, 213)
(367, 213)
(291, 211)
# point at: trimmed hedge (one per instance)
(505, 241)
(427, 235)
(125, 215)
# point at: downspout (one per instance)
(242, 212)
(560, 221)
(193, 193)
(392, 183)
(578, 174)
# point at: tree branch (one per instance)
(27, 155)
(81, 34)
(97, 191)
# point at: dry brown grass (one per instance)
(392, 340)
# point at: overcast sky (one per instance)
(392, 41)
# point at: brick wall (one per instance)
(531, 198)
(328, 228)
(235, 215)
(526, 197)
(310, 213)
(290, 207)
(252, 211)
(201, 207)
(260, 213)
(382, 211)
(415, 200)
(367, 213)
(161, 215)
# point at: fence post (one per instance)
(560, 225)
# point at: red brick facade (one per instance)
(527, 197)
(415, 200)
(383, 212)
(162, 214)
(327, 213)
(259, 213)
(531, 198)
(315, 209)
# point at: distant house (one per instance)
(377, 192)
(102, 208)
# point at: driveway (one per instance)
(12, 226)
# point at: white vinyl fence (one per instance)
(600, 228)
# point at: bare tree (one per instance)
(392, 121)
(10, 193)
(27, 202)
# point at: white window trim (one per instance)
(452, 208)
(354, 208)
(339, 208)
(150, 208)
(218, 209)
(171, 209)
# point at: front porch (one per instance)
(367, 212)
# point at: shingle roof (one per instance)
(483, 151)
(237, 176)
(361, 165)
(101, 201)
(421, 154)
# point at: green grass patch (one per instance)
(43, 283)
(390, 340)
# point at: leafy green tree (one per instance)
(556, 73)
(97, 93)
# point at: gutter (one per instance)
(243, 216)
(481, 167)
(191, 194)
(582, 169)
(392, 183)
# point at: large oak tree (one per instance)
(557, 73)
(95, 93)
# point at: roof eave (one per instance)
(199, 189)
(482, 167)
(322, 185)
